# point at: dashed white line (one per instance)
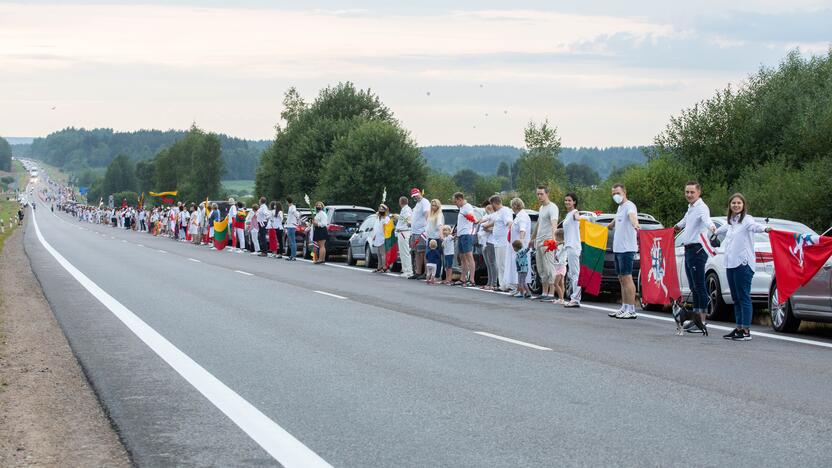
(330, 295)
(513, 341)
(244, 272)
(140, 245)
(275, 440)
(162, 251)
(195, 260)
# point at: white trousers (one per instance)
(500, 260)
(573, 263)
(255, 239)
(403, 240)
(240, 234)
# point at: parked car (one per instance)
(344, 220)
(812, 302)
(300, 232)
(716, 280)
(361, 244)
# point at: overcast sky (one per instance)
(471, 72)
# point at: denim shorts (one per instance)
(466, 243)
(449, 260)
(624, 263)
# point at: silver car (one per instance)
(361, 246)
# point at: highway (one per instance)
(205, 358)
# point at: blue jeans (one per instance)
(695, 259)
(739, 281)
(293, 244)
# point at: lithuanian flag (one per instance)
(391, 244)
(241, 216)
(593, 248)
(221, 234)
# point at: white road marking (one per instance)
(723, 327)
(363, 270)
(275, 440)
(512, 340)
(124, 241)
(195, 260)
(244, 273)
(330, 294)
(140, 245)
(162, 251)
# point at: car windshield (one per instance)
(350, 216)
(450, 216)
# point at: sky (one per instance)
(606, 73)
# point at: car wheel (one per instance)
(647, 306)
(717, 307)
(368, 257)
(782, 318)
(535, 287)
(350, 259)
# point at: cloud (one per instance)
(785, 27)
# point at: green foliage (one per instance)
(192, 166)
(292, 164)
(120, 176)
(540, 164)
(5, 155)
(485, 187)
(778, 190)
(581, 174)
(145, 175)
(440, 186)
(467, 180)
(131, 197)
(778, 112)
(375, 155)
(76, 150)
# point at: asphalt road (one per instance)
(370, 370)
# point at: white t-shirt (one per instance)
(321, 219)
(483, 236)
(292, 218)
(572, 231)
(625, 232)
(502, 222)
(463, 225)
(378, 231)
(547, 215)
(277, 220)
(448, 245)
(420, 216)
(403, 223)
(522, 223)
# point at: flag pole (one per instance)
(827, 231)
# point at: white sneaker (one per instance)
(616, 312)
(627, 315)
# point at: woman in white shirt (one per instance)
(320, 233)
(382, 219)
(572, 244)
(521, 229)
(740, 261)
(485, 237)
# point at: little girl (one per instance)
(521, 261)
(448, 253)
(433, 258)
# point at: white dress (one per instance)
(510, 271)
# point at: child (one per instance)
(560, 272)
(448, 253)
(432, 257)
(521, 259)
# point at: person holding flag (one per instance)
(697, 249)
(740, 260)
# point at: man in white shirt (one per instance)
(696, 221)
(264, 216)
(547, 226)
(292, 222)
(572, 243)
(465, 232)
(418, 225)
(403, 236)
(624, 248)
(232, 212)
(500, 224)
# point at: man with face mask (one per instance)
(624, 248)
(696, 220)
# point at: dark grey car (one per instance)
(812, 302)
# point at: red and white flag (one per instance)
(797, 258)
(705, 241)
(659, 281)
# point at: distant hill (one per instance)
(484, 159)
(74, 149)
(19, 140)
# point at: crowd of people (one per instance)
(510, 246)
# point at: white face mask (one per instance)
(617, 199)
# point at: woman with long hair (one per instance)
(740, 262)
(433, 230)
(320, 234)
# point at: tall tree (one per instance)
(581, 175)
(120, 176)
(467, 179)
(540, 163)
(5, 155)
(375, 156)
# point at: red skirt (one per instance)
(272, 240)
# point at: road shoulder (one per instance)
(49, 415)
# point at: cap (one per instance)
(415, 191)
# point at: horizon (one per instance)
(606, 74)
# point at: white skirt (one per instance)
(510, 271)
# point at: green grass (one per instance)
(239, 186)
(7, 209)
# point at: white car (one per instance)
(716, 279)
